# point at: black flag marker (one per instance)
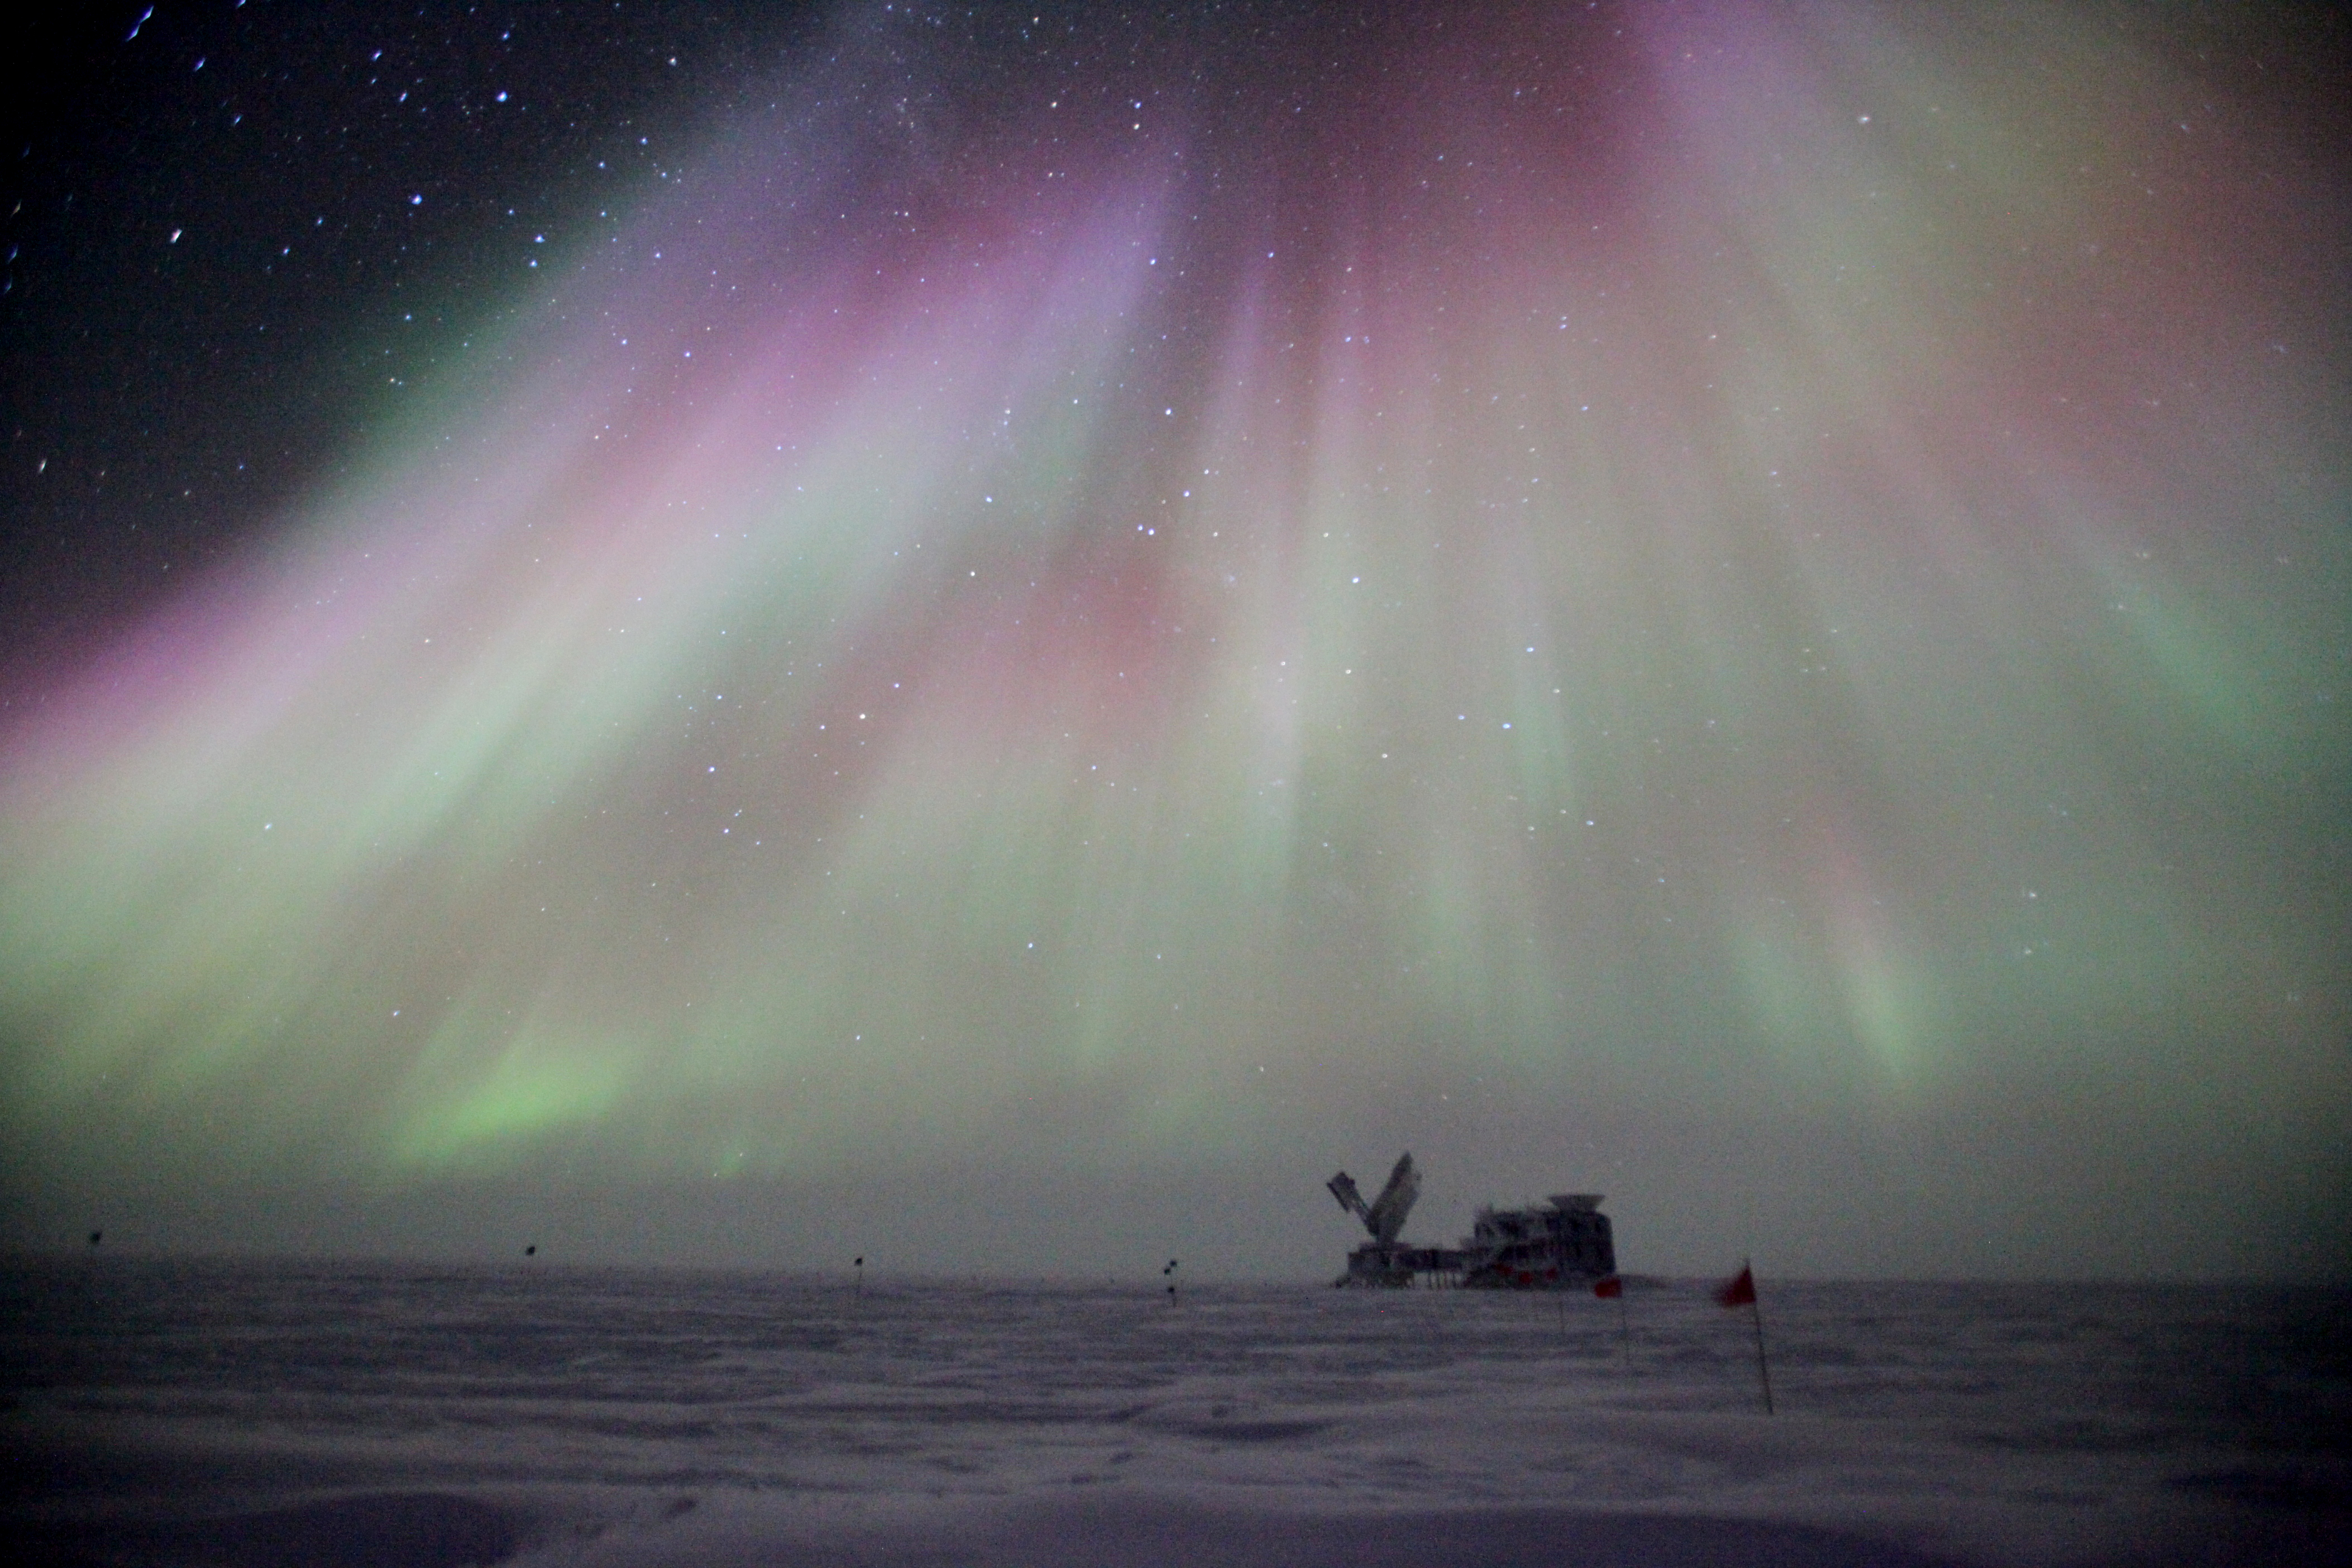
(1740, 1291)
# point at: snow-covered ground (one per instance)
(368, 1414)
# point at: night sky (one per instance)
(996, 636)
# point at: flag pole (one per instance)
(1741, 1292)
(1613, 1286)
(1755, 1312)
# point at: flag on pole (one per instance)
(1612, 1289)
(1740, 1291)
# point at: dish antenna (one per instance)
(1384, 1216)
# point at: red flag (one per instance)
(1740, 1291)
(1609, 1289)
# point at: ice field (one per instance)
(370, 1414)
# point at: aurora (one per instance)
(1028, 634)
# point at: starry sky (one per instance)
(996, 636)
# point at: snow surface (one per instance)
(361, 1415)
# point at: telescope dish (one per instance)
(1384, 1216)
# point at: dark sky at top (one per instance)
(189, 388)
(997, 635)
